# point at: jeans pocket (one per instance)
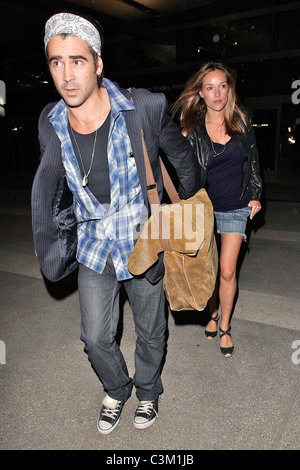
(242, 214)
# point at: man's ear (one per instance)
(99, 66)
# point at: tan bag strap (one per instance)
(152, 193)
(168, 183)
(154, 201)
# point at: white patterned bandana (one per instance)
(73, 24)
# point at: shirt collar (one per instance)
(118, 101)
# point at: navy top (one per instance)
(225, 177)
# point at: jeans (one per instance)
(234, 221)
(99, 303)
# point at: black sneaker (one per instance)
(110, 414)
(145, 414)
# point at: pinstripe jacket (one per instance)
(53, 221)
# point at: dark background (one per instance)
(159, 45)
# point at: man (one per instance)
(91, 139)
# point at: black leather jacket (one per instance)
(201, 144)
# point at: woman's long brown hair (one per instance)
(192, 107)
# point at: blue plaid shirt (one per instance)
(102, 230)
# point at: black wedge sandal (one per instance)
(227, 352)
(212, 334)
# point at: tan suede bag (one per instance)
(184, 230)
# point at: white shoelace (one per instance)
(146, 408)
(111, 413)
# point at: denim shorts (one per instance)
(233, 221)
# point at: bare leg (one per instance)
(212, 326)
(230, 248)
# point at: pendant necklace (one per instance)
(85, 179)
(214, 150)
(216, 154)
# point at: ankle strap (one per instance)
(223, 333)
(215, 319)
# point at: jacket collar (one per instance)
(134, 126)
(202, 130)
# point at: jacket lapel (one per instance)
(134, 131)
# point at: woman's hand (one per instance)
(255, 207)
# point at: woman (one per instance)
(222, 136)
